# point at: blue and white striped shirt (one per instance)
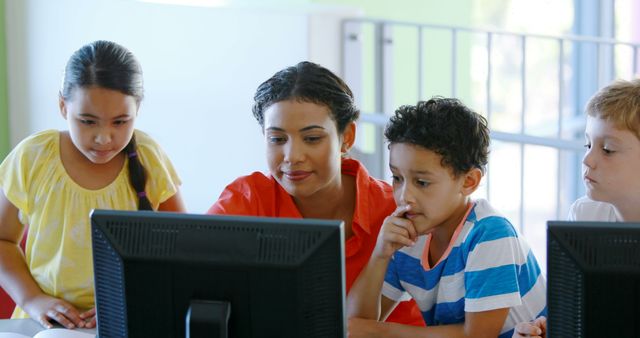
(487, 266)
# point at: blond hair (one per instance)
(618, 103)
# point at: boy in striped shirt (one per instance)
(465, 265)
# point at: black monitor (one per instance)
(593, 279)
(161, 274)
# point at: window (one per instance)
(531, 87)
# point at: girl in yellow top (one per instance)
(53, 179)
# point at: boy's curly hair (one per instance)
(446, 127)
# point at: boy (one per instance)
(610, 165)
(612, 160)
(466, 266)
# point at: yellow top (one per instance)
(58, 248)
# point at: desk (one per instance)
(27, 327)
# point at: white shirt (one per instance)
(585, 209)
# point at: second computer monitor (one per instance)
(593, 279)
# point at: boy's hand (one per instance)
(364, 328)
(89, 318)
(535, 329)
(396, 232)
(43, 308)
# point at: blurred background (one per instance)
(528, 66)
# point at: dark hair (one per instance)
(106, 64)
(446, 127)
(308, 82)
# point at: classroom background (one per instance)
(528, 66)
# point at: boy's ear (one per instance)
(348, 137)
(61, 104)
(471, 181)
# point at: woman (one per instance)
(308, 116)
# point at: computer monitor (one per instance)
(593, 279)
(279, 277)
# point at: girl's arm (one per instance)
(17, 281)
(14, 273)
(174, 203)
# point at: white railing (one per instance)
(577, 58)
(383, 38)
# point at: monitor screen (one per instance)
(270, 277)
(593, 279)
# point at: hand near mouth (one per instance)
(397, 232)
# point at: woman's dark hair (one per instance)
(106, 64)
(446, 127)
(307, 82)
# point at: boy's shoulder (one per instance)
(485, 223)
(483, 210)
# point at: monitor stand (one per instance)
(208, 319)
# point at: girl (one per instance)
(53, 179)
(308, 119)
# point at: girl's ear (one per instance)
(471, 181)
(348, 138)
(63, 107)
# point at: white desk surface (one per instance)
(27, 327)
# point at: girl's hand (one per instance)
(89, 318)
(43, 308)
(396, 232)
(535, 329)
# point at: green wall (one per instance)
(4, 104)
